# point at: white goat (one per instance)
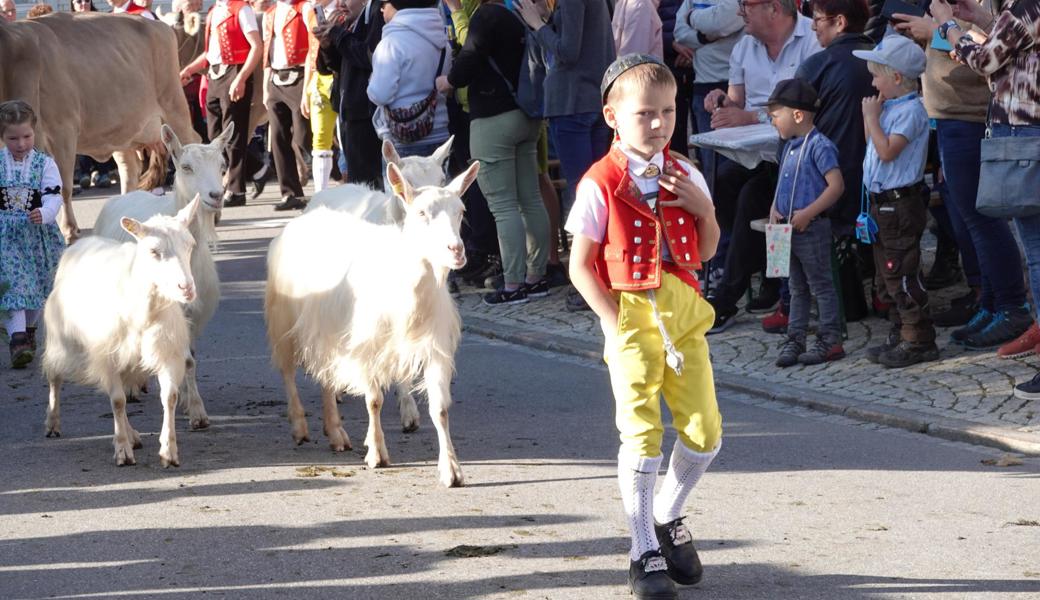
(115, 317)
(387, 209)
(198, 173)
(363, 306)
(384, 208)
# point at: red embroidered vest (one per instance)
(234, 47)
(630, 256)
(295, 33)
(134, 8)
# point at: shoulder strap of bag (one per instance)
(794, 184)
(494, 65)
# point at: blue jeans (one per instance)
(811, 276)
(998, 257)
(1028, 227)
(579, 140)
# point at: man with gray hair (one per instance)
(778, 40)
(8, 10)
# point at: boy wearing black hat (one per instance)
(809, 183)
(643, 221)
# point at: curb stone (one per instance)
(947, 428)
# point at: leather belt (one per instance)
(286, 77)
(218, 71)
(915, 190)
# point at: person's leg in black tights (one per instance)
(747, 248)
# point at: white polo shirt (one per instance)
(751, 67)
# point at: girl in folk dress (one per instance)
(30, 241)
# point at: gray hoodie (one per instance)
(404, 67)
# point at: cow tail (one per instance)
(154, 175)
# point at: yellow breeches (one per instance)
(639, 374)
(323, 117)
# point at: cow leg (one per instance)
(438, 389)
(53, 422)
(168, 387)
(377, 455)
(65, 157)
(194, 407)
(129, 166)
(297, 416)
(409, 410)
(121, 440)
(339, 441)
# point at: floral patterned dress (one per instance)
(29, 253)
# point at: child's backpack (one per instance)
(529, 92)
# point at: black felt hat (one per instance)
(622, 64)
(403, 4)
(795, 93)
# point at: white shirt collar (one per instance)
(637, 164)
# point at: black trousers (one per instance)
(290, 135)
(220, 111)
(363, 150)
(741, 196)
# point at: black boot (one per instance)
(21, 352)
(648, 577)
(890, 342)
(909, 353)
(684, 566)
(946, 270)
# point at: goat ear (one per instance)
(443, 151)
(400, 186)
(225, 136)
(133, 227)
(171, 141)
(460, 184)
(390, 154)
(187, 214)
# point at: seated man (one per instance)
(778, 40)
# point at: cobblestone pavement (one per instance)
(964, 396)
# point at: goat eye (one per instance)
(422, 213)
(187, 169)
(156, 254)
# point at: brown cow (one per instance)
(101, 85)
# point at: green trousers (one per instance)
(506, 146)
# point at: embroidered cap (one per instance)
(622, 64)
(794, 93)
(897, 52)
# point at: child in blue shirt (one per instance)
(896, 125)
(809, 183)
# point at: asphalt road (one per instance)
(798, 504)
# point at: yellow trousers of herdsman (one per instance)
(639, 374)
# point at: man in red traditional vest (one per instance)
(131, 8)
(233, 51)
(642, 222)
(287, 42)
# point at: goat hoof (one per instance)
(410, 427)
(452, 476)
(125, 457)
(53, 433)
(339, 441)
(168, 462)
(301, 439)
(375, 460)
(133, 399)
(199, 423)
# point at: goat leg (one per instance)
(196, 410)
(339, 441)
(409, 410)
(53, 422)
(297, 416)
(377, 455)
(438, 382)
(168, 388)
(121, 440)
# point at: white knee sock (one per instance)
(636, 477)
(321, 161)
(15, 323)
(684, 470)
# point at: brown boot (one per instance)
(21, 351)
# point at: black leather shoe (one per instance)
(684, 566)
(232, 200)
(648, 577)
(290, 203)
(260, 181)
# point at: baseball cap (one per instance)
(622, 64)
(897, 52)
(794, 93)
